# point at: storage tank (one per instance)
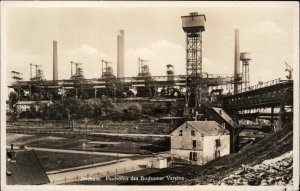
(245, 56)
(193, 22)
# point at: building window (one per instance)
(217, 154)
(193, 133)
(180, 132)
(193, 156)
(218, 143)
(194, 144)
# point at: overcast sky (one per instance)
(88, 35)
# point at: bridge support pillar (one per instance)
(235, 141)
(272, 115)
(235, 117)
(280, 116)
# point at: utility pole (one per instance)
(30, 71)
(102, 61)
(96, 93)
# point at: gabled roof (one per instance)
(26, 170)
(206, 128)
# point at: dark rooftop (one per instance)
(26, 170)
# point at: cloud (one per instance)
(163, 52)
(269, 28)
(159, 54)
(90, 58)
(19, 61)
(87, 49)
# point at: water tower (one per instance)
(245, 57)
(193, 25)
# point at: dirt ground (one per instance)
(53, 161)
(102, 145)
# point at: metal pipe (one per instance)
(71, 69)
(236, 61)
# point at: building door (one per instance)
(217, 153)
(193, 156)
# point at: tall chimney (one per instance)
(236, 61)
(55, 69)
(121, 55)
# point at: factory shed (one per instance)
(24, 168)
(200, 141)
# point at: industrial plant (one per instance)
(196, 90)
(206, 117)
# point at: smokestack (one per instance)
(55, 69)
(120, 55)
(236, 61)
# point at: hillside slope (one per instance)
(273, 145)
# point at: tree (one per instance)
(13, 99)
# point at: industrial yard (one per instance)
(174, 122)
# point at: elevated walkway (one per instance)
(270, 94)
(222, 117)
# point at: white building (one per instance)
(160, 163)
(200, 141)
(23, 106)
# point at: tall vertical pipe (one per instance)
(236, 61)
(120, 55)
(55, 67)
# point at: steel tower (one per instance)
(193, 26)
